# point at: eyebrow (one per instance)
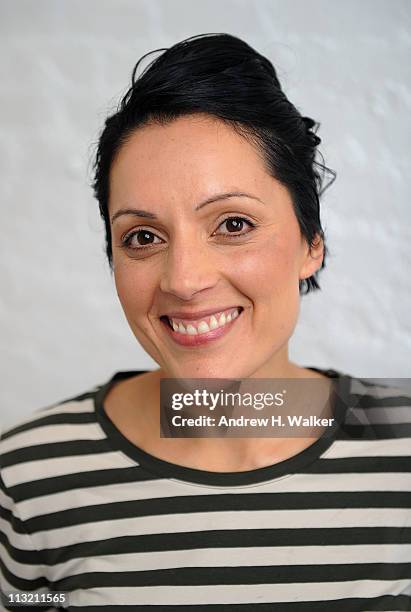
(215, 198)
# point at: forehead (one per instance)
(188, 157)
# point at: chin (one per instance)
(206, 369)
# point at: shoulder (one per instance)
(379, 409)
(52, 431)
(52, 414)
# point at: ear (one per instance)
(312, 257)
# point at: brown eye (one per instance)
(144, 237)
(140, 238)
(236, 226)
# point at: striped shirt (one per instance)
(86, 512)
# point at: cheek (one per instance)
(267, 273)
(133, 289)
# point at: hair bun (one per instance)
(311, 127)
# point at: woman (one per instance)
(208, 185)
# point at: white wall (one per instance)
(63, 66)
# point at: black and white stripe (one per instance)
(85, 512)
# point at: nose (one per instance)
(189, 268)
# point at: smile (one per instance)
(192, 332)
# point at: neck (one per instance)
(231, 454)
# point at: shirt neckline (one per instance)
(165, 469)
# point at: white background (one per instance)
(64, 65)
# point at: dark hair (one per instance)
(222, 76)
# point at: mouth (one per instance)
(193, 332)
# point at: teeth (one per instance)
(204, 327)
(191, 330)
(213, 323)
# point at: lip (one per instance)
(200, 339)
(200, 314)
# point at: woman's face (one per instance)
(202, 233)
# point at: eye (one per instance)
(139, 239)
(235, 227)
